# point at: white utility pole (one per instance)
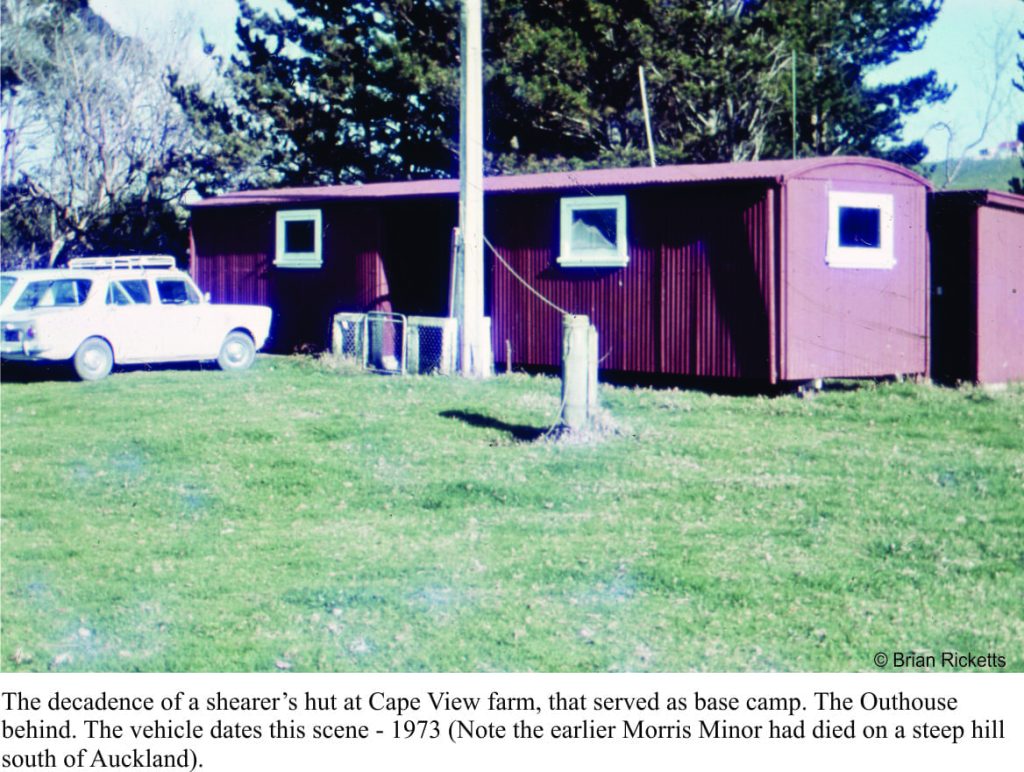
(474, 337)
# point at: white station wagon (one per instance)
(102, 311)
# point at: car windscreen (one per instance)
(54, 293)
(175, 292)
(6, 285)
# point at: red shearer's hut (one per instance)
(769, 271)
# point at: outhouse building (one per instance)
(977, 286)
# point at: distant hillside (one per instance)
(993, 174)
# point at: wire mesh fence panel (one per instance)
(431, 344)
(349, 335)
(395, 343)
(384, 348)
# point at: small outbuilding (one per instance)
(769, 271)
(977, 286)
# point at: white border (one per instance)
(570, 205)
(312, 259)
(883, 256)
(982, 699)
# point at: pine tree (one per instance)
(353, 91)
(838, 44)
(343, 91)
(565, 83)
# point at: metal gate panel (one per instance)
(431, 344)
(384, 346)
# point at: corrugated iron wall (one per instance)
(977, 288)
(232, 254)
(846, 322)
(693, 299)
(715, 291)
(1000, 262)
(234, 262)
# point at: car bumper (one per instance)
(22, 350)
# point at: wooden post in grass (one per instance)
(412, 348)
(575, 371)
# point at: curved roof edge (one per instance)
(825, 162)
(772, 171)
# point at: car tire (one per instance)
(94, 360)
(237, 352)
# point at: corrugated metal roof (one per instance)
(554, 181)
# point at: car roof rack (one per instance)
(123, 261)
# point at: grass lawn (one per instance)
(304, 517)
(992, 173)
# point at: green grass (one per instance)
(302, 517)
(976, 173)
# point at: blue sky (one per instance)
(959, 47)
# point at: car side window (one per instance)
(175, 292)
(117, 296)
(128, 293)
(58, 292)
(136, 289)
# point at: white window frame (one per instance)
(312, 259)
(569, 206)
(881, 257)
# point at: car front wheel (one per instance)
(93, 360)
(237, 352)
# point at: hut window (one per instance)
(593, 232)
(299, 243)
(860, 230)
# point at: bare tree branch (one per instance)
(997, 44)
(89, 126)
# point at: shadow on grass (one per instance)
(520, 432)
(31, 372)
(35, 372)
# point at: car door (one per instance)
(183, 335)
(132, 326)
